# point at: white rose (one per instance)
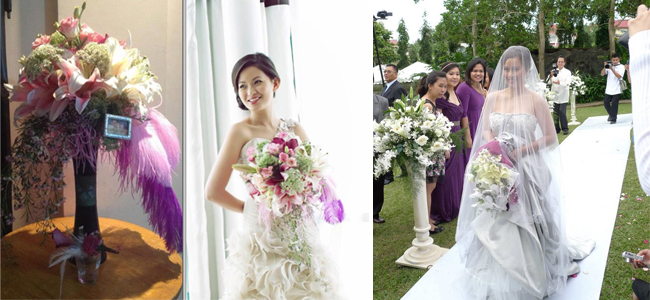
(422, 140)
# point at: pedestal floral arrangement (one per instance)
(413, 135)
(83, 93)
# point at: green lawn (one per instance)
(395, 236)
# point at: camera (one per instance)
(555, 71)
(629, 256)
(608, 65)
(383, 14)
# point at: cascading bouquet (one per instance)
(577, 86)
(494, 177)
(410, 133)
(286, 178)
(80, 247)
(68, 84)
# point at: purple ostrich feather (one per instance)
(145, 163)
(332, 206)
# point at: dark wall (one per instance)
(587, 60)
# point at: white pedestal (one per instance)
(574, 120)
(424, 253)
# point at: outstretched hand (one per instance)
(641, 22)
(646, 259)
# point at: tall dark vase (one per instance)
(85, 182)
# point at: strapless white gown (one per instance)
(521, 253)
(259, 265)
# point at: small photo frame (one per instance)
(117, 127)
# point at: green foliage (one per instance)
(426, 41)
(602, 34)
(387, 53)
(595, 89)
(402, 45)
(583, 40)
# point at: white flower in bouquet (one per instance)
(577, 86)
(409, 133)
(494, 180)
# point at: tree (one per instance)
(402, 45)
(413, 51)
(583, 40)
(426, 41)
(387, 53)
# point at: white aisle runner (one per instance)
(594, 157)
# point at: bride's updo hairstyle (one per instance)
(258, 60)
(432, 78)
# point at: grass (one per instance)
(395, 236)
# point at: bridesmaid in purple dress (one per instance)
(446, 196)
(472, 95)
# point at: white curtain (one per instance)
(327, 96)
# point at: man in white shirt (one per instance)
(561, 82)
(614, 72)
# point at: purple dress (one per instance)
(445, 199)
(473, 105)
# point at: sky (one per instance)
(412, 14)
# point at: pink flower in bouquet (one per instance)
(73, 86)
(37, 95)
(274, 148)
(267, 172)
(283, 157)
(291, 162)
(291, 152)
(88, 35)
(250, 188)
(282, 134)
(250, 151)
(41, 40)
(69, 27)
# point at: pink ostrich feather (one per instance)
(145, 163)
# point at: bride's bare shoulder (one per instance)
(239, 133)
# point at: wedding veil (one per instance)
(517, 117)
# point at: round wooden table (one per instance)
(142, 270)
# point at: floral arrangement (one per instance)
(70, 81)
(286, 177)
(410, 133)
(494, 177)
(577, 86)
(78, 247)
(545, 91)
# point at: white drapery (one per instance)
(300, 39)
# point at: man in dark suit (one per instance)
(379, 106)
(392, 91)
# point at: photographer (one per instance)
(561, 78)
(614, 71)
(640, 288)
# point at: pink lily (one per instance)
(73, 86)
(37, 95)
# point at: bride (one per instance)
(520, 252)
(260, 264)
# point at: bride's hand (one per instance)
(447, 154)
(515, 155)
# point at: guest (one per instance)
(472, 95)
(446, 196)
(392, 91)
(432, 87)
(379, 106)
(560, 86)
(614, 72)
(641, 288)
(488, 79)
